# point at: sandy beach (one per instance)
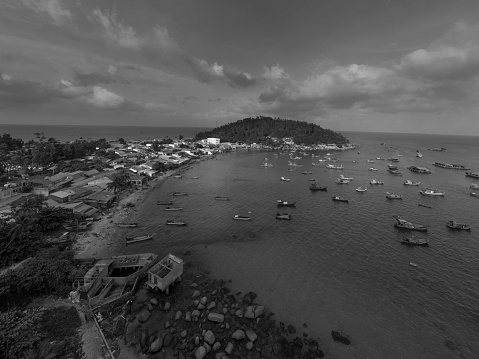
(95, 241)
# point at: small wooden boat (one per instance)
(412, 264)
(176, 176)
(390, 195)
(411, 183)
(361, 189)
(342, 181)
(285, 216)
(312, 179)
(285, 179)
(403, 224)
(219, 198)
(474, 194)
(315, 187)
(474, 186)
(415, 241)
(170, 222)
(339, 199)
(164, 203)
(242, 218)
(372, 169)
(424, 205)
(124, 225)
(375, 182)
(458, 226)
(180, 194)
(173, 209)
(431, 192)
(139, 238)
(195, 177)
(286, 204)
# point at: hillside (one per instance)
(265, 129)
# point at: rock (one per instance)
(144, 315)
(216, 317)
(196, 313)
(194, 285)
(178, 315)
(167, 324)
(188, 316)
(249, 345)
(249, 312)
(196, 294)
(220, 355)
(258, 311)
(251, 335)
(156, 345)
(339, 337)
(239, 313)
(200, 306)
(167, 306)
(207, 347)
(216, 346)
(238, 335)
(184, 333)
(211, 305)
(143, 339)
(214, 292)
(154, 301)
(200, 352)
(209, 337)
(291, 329)
(149, 307)
(167, 339)
(203, 300)
(229, 347)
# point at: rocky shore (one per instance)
(201, 318)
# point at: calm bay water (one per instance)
(71, 133)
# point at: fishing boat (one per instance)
(472, 174)
(361, 189)
(173, 209)
(393, 170)
(412, 264)
(431, 192)
(122, 225)
(411, 183)
(450, 166)
(342, 181)
(315, 187)
(417, 169)
(391, 195)
(164, 203)
(180, 194)
(372, 169)
(424, 205)
(474, 186)
(241, 218)
(474, 194)
(138, 239)
(285, 179)
(375, 182)
(458, 226)
(339, 199)
(285, 216)
(346, 178)
(171, 222)
(219, 198)
(415, 241)
(286, 204)
(403, 224)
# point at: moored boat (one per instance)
(417, 169)
(361, 189)
(139, 238)
(285, 179)
(219, 198)
(315, 187)
(403, 224)
(372, 169)
(343, 177)
(122, 225)
(472, 174)
(342, 181)
(171, 222)
(241, 218)
(173, 209)
(418, 154)
(176, 176)
(474, 186)
(415, 241)
(474, 194)
(391, 195)
(424, 205)
(164, 203)
(431, 192)
(411, 183)
(195, 177)
(375, 182)
(180, 194)
(339, 199)
(285, 216)
(370, 161)
(333, 167)
(458, 226)
(286, 204)
(451, 166)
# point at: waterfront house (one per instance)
(100, 200)
(62, 196)
(165, 273)
(138, 180)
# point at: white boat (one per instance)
(390, 195)
(330, 166)
(431, 192)
(342, 181)
(474, 186)
(412, 264)
(370, 161)
(361, 189)
(418, 154)
(285, 179)
(372, 169)
(345, 178)
(375, 181)
(241, 218)
(411, 183)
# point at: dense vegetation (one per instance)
(264, 129)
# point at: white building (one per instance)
(213, 141)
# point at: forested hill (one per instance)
(263, 129)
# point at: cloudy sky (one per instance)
(347, 65)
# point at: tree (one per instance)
(120, 181)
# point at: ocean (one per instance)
(74, 132)
(335, 266)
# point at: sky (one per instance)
(409, 66)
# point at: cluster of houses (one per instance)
(86, 193)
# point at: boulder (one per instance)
(200, 306)
(238, 335)
(209, 337)
(249, 345)
(178, 315)
(203, 300)
(194, 285)
(156, 345)
(229, 347)
(211, 305)
(239, 313)
(184, 333)
(154, 301)
(167, 339)
(144, 315)
(167, 324)
(258, 311)
(251, 335)
(200, 352)
(196, 313)
(207, 347)
(216, 317)
(196, 294)
(249, 312)
(188, 316)
(167, 306)
(220, 355)
(216, 346)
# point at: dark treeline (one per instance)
(262, 129)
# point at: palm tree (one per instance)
(120, 181)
